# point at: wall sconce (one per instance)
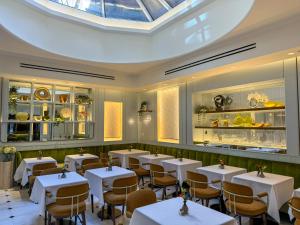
(131, 121)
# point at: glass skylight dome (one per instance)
(137, 10)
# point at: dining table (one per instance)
(72, 162)
(215, 172)
(97, 177)
(181, 165)
(279, 188)
(125, 154)
(167, 213)
(24, 170)
(51, 183)
(154, 159)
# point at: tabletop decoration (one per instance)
(260, 170)
(221, 164)
(185, 194)
(81, 151)
(180, 155)
(40, 155)
(8, 152)
(64, 174)
(130, 148)
(110, 162)
(155, 153)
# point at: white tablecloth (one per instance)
(22, 171)
(215, 173)
(167, 213)
(123, 155)
(181, 167)
(154, 159)
(280, 189)
(96, 177)
(52, 183)
(72, 160)
(296, 193)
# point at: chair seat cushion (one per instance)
(114, 199)
(205, 193)
(297, 222)
(253, 209)
(141, 172)
(165, 181)
(56, 210)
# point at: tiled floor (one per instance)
(17, 209)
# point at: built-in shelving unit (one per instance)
(45, 112)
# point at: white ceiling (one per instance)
(264, 13)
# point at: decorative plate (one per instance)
(42, 93)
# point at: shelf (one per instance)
(248, 110)
(242, 128)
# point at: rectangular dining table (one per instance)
(74, 161)
(154, 159)
(167, 213)
(214, 172)
(96, 177)
(24, 170)
(181, 167)
(52, 183)
(279, 188)
(123, 155)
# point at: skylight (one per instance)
(137, 10)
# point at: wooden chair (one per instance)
(89, 161)
(134, 164)
(51, 171)
(36, 171)
(86, 162)
(69, 202)
(138, 199)
(201, 188)
(163, 179)
(118, 195)
(240, 201)
(104, 157)
(294, 204)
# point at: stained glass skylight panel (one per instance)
(174, 3)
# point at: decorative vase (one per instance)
(184, 209)
(7, 169)
(63, 98)
(221, 166)
(22, 116)
(260, 173)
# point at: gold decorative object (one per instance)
(37, 118)
(22, 116)
(24, 98)
(260, 170)
(63, 98)
(65, 113)
(42, 93)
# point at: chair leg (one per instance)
(240, 220)
(250, 221)
(123, 209)
(92, 202)
(164, 193)
(143, 182)
(49, 219)
(70, 221)
(113, 214)
(57, 221)
(75, 220)
(83, 218)
(264, 218)
(207, 202)
(102, 212)
(45, 219)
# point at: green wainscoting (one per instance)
(207, 158)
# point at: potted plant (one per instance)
(6, 166)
